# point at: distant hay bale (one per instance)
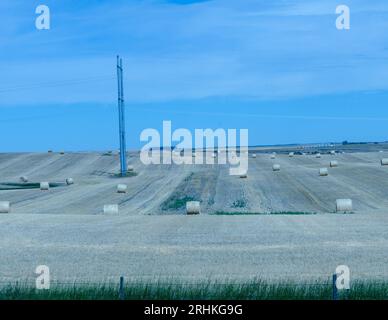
(344, 205)
(291, 154)
(323, 172)
(111, 209)
(333, 164)
(193, 207)
(384, 162)
(130, 168)
(5, 206)
(69, 181)
(121, 188)
(273, 156)
(23, 179)
(50, 151)
(276, 167)
(254, 155)
(243, 174)
(44, 186)
(62, 152)
(332, 152)
(318, 155)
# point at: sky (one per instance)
(279, 68)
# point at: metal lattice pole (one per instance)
(120, 87)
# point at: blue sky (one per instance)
(279, 68)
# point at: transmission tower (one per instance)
(120, 87)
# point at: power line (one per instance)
(52, 84)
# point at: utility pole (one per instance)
(120, 87)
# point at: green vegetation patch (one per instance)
(240, 203)
(28, 185)
(126, 175)
(190, 189)
(175, 202)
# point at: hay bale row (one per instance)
(111, 209)
(193, 207)
(344, 205)
(323, 172)
(122, 188)
(5, 207)
(24, 179)
(243, 174)
(384, 162)
(333, 164)
(44, 186)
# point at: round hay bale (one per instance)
(193, 207)
(62, 152)
(318, 155)
(69, 181)
(50, 151)
(130, 168)
(344, 205)
(111, 209)
(23, 179)
(333, 164)
(384, 162)
(323, 172)
(121, 188)
(44, 186)
(332, 152)
(291, 154)
(276, 167)
(5, 207)
(254, 155)
(243, 174)
(273, 155)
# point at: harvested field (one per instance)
(289, 230)
(164, 189)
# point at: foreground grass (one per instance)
(254, 290)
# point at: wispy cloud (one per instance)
(191, 50)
